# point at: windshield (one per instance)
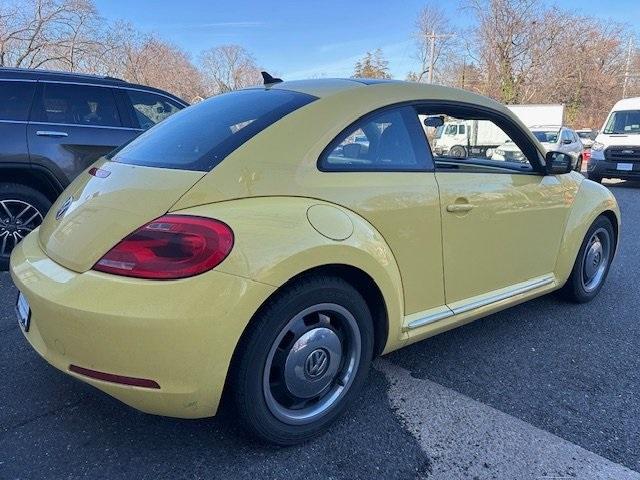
(201, 136)
(623, 122)
(546, 136)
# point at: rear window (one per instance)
(201, 136)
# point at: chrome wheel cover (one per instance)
(595, 259)
(312, 364)
(17, 219)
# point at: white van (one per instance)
(615, 153)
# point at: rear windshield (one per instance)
(201, 136)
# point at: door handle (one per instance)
(51, 133)
(460, 207)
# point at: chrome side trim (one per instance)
(521, 288)
(18, 80)
(21, 122)
(441, 314)
(87, 126)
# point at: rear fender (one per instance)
(276, 241)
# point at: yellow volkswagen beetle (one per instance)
(266, 244)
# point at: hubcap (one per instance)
(596, 259)
(17, 219)
(312, 363)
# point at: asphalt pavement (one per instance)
(546, 389)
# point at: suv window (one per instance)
(390, 140)
(77, 105)
(201, 136)
(15, 100)
(150, 108)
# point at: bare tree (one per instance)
(372, 65)
(38, 33)
(229, 67)
(432, 20)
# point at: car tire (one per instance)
(16, 199)
(592, 264)
(595, 178)
(458, 151)
(302, 360)
(579, 164)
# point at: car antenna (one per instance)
(269, 80)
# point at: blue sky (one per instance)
(298, 39)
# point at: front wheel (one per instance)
(458, 151)
(303, 359)
(592, 264)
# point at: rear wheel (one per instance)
(579, 164)
(592, 264)
(21, 210)
(302, 360)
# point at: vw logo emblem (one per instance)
(64, 207)
(316, 363)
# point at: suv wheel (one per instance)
(21, 210)
(303, 359)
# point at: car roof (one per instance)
(72, 77)
(632, 103)
(325, 87)
(546, 127)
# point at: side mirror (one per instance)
(566, 141)
(558, 163)
(434, 121)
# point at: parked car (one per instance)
(552, 138)
(257, 255)
(54, 125)
(615, 153)
(587, 136)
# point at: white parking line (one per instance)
(464, 438)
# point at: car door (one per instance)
(502, 220)
(15, 102)
(72, 125)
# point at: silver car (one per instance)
(552, 137)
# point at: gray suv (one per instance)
(54, 125)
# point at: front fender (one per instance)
(275, 241)
(590, 202)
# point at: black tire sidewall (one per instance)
(248, 391)
(574, 289)
(15, 191)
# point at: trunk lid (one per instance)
(93, 214)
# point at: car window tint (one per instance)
(150, 108)
(201, 136)
(479, 143)
(386, 141)
(78, 105)
(15, 100)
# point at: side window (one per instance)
(483, 146)
(390, 140)
(77, 105)
(149, 108)
(15, 100)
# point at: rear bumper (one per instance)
(180, 334)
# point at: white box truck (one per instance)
(463, 138)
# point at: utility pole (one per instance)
(627, 68)
(432, 50)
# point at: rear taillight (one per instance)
(172, 246)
